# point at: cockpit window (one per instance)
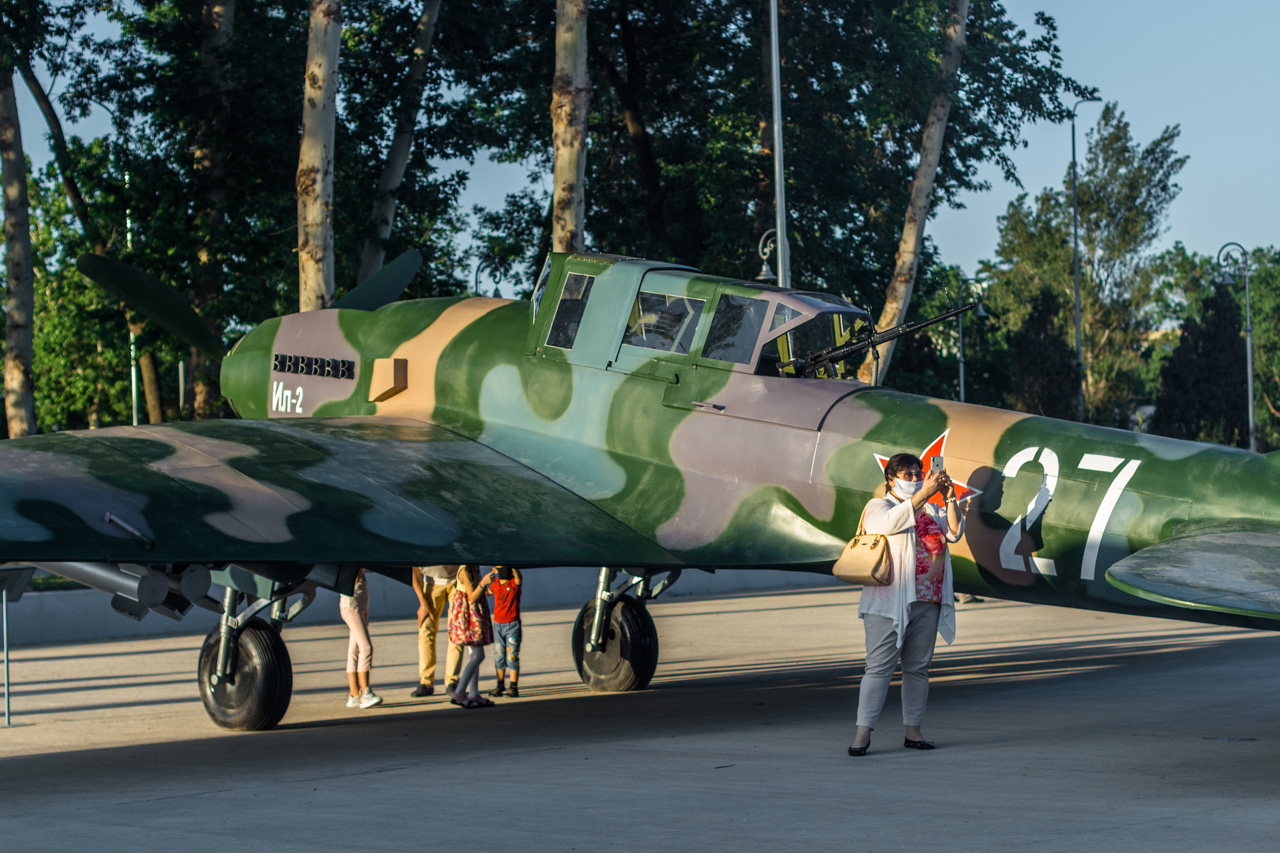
(783, 315)
(663, 322)
(827, 330)
(735, 328)
(541, 287)
(573, 301)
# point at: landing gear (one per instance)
(257, 695)
(615, 643)
(245, 674)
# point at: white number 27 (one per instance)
(1049, 462)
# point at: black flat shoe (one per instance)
(916, 744)
(859, 750)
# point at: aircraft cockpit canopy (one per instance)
(805, 323)
(647, 319)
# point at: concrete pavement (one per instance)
(1059, 730)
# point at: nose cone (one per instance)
(246, 372)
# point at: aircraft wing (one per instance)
(1229, 571)
(333, 490)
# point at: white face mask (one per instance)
(906, 488)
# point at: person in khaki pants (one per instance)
(432, 585)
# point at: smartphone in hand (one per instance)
(935, 464)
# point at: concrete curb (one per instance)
(76, 615)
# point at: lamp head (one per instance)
(766, 275)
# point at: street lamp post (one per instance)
(1234, 253)
(779, 172)
(1075, 258)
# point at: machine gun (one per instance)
(869, 338)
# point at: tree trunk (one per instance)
(315, 159)
(898, 297)
(146, 361)
(19, 400)
(384, 204)
(150, 377)
(570, 94)
(210, 167)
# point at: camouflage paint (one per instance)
(502, 448)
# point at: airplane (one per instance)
(634, 415)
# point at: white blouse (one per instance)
(896, 519)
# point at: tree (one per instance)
(81, 347)
(898, 295)
(19, 403)
(1125, 191)
(315, 158)
(677, 169)
(389, 182)
(376, 94)
(1202, 385)
(570, 94)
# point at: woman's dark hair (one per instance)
(473, 572)
(898, 463)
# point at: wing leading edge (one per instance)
(356, 490)
(1233, 571)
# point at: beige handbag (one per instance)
(865, 559)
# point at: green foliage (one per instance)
(1202, 385)
(680, 163)
(81, 379)
(1126, 294)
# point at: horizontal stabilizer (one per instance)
(1234, 571)
(385, 286)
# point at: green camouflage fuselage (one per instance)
(720, 466)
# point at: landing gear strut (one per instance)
(615, 643)
(245, 674)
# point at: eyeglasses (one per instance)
(911, 474)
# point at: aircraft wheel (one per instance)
(257, 694)
(630, 654)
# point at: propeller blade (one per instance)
(153, 299)
(384, 286)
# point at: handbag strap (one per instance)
(862, 521)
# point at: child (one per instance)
(354, 610)
(469, 626)
(505, 589)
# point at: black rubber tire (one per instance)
(630, 655)
(258, 693)
(650, 633)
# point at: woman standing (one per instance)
(469, 626)
(354, 609)
(903, 619)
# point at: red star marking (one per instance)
(938, 448)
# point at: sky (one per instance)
(1210, 69)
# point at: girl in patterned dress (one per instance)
(470, 627)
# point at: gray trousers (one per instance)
(921, 633)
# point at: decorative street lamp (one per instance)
(1075, 257)
(1236, 255)
(475, 279)
(767, 245)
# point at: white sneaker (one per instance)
(369, 699)
(353, 701)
